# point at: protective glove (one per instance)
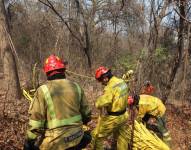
(85, 120)
(30, 145)
(130, 100)
(85, 140)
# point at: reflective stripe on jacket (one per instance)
(114, 99)
(57, 112)
(150, 105)
(115, 96)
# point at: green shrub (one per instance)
(126, 62)
(161, 54)
(144, 53)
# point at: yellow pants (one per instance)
(108, 125)
(55, 138)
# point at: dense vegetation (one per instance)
(152, 37)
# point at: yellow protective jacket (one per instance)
(57, 113)
(150, 105)
(114, 99)
(114, 96)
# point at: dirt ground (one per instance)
(179, 125)
(13, 126)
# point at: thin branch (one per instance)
(166, 15)
(50, 5)
(162, 13)
(44, 3)
(155, 20)
(12, 46)
(159, 7)
(182, 16)
(122, 4)
(188, 10)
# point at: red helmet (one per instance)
(100, 71)
(53, 63)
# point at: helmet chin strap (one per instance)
(56, 76)
(54, 72)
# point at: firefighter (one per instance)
(149, 108)
(130, 79)
(57, 112)
(128, 76)
(113, 105)
(147, 88)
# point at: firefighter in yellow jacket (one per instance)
(128, 76)
(57, 112)
(151, 107)
(113, 105)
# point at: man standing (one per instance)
(113, 105)
(57, 112)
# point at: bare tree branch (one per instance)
(182, 16)
(44, 3)
(50, 5)
(188, 10)
(84, 45)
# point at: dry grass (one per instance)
(13, 127)
(178, 121)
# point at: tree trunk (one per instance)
(87, 48)
(189, 46)
(155, 21)
(11, 78)
(180, 45)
